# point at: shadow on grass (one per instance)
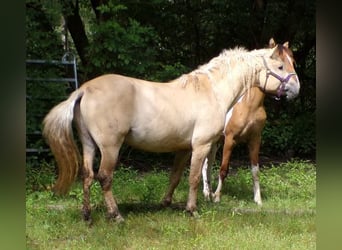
(99, 211)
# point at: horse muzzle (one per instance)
(288, 87)
(291, 88)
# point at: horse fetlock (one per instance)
(258, 201)
(207, 195)
(217, 197)
(86, 214)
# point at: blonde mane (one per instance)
(229, 63)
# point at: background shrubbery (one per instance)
(160, 40)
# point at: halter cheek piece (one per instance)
(283, 81)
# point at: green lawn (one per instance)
(285, 221)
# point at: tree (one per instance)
(160, 40)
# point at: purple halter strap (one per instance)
(283, 80)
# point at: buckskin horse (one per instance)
(185, 115)
(244, 124)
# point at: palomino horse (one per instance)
(184, 115)
(244, 123)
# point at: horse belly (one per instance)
(156, 142)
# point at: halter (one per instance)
(283, 81)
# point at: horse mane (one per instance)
(225, 65)
(288, 51)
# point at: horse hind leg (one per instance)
(206, 173)
(256, 184)
(229, 143)
(89, 148)
(179, 164)
(109, 155)
(254, 148)
(88, 177)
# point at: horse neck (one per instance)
(229, 89)
(255, 97)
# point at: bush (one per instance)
(290, 135)
(39, 178)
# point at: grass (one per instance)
(285, 221)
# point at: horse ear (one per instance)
(286, 44)
(271, 43)
(275, 51)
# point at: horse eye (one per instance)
(281, 67)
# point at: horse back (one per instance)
(159, 117)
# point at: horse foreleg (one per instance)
(254, 148)
(179, 164)
(229, 143)
(206, 172)
(105, 176)
(199, 154)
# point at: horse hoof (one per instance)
(119, 219)
(89, 222)
(86, 216)
(192, 211)
(115, 217)
(195, 215)
(207, 196)
(166, 203)
(216, 198)
(259, 203)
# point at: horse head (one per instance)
(278, 76)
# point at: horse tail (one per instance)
(57, 130)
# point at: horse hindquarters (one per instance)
(98, 134)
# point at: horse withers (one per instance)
(244, 124)
(185, 116)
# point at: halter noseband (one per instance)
(283, 80)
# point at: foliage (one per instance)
(42, 43)
(292, 136)
(39, 178)
(120, 42)
(160, 40)
(41, 96)
(42, 32)
(286, 220)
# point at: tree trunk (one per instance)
(100, 17)
(75, 26)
